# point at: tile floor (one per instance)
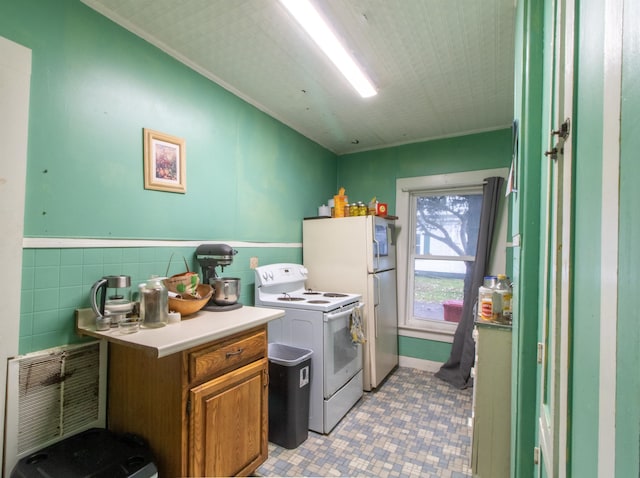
(414, 425)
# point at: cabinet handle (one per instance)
(237, 352)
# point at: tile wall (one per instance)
(56, 281)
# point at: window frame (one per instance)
(406, 188)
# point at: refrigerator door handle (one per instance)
(376, 253)
(376, 303)
(375, 321)
(376, 292)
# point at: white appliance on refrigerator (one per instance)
(358, 254)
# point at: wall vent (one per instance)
(53, 394)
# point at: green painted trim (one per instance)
(628, 350)
(528, 113)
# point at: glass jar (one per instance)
(154, 303)
(485, 298)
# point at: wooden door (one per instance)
(553, 346)
(228, 422)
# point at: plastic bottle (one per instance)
(485, 298)
(502, 296)
(340, 200)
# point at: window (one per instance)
(439, 219)
(444, 227)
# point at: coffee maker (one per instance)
(211, 256)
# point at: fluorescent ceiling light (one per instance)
(312, 22)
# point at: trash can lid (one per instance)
(288, 355)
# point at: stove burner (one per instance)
(334, 294)
(318, 301)
(287, 298)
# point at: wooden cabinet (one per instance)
(490, 454)
(204, 410)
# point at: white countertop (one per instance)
(198, 329)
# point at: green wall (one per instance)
(96, 86)
(374, 173)
(250, 179)
(56, 281)
(431, 350)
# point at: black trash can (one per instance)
(289, 385)
(95, 453)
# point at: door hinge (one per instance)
(188, 408)
(265, 377)
(540, 354)
(536, 455)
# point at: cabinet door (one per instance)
(228, 423)
(492, 391)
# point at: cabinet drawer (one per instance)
(226, 355)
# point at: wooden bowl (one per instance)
(189, 306)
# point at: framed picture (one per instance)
(164, 162)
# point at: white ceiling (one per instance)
(442, 67)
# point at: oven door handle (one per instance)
(341, 313)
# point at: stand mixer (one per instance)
(226, 289)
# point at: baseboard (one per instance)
(420, 364)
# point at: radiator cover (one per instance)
(53, 394)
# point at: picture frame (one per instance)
(164, 162)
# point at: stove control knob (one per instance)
(264, 276)
(270, 275)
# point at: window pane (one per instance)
(447, 225)
(438, 291)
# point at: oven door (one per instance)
(342, 358)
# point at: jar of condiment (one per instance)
(347, 210)
(485, 298)
(362, 209)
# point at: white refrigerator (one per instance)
(358, 255)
